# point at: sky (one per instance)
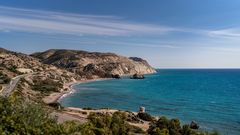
(167, 33)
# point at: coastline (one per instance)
(67, 89)
(81, 114)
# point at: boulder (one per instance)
(90, 68)
(137, 76)
(194, 125)
(116, 76)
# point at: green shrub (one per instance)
(25, 118)
(88, 108)
(13, 69)
(145, 116)
(112, 125)
(47, 85)
(173, 127)
(28, 118)
(4, 79)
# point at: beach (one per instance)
(67, 89)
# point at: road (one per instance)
(10, 87)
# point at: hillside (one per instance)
(94, 63)
(40, 80)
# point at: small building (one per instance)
(141, 109)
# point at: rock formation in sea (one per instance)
(137, 76)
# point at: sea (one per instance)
(210, 97)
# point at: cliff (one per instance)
(94, 63)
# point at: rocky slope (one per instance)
(93, 64)
(41, 76)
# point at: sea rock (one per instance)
(116, 76)
(137, 76)
(194, 125)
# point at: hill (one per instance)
(94, 64)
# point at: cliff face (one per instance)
(94, 63)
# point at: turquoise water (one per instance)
(210, 97)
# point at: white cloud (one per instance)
(142, 44)
(37, 21)
(226, 33)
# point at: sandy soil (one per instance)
(81, 115)
(62, 117)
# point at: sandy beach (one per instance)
(67, 89)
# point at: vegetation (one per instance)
(21, 117)
(4, 79)
(25, 118)
(14, 70)
(46, 86)
(173, 127)
(112, 125)
(145, 116)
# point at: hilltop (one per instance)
(94, 64)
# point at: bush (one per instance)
(20, 117)
(145, 116)
(88, 108)
(47, 85)
(55, 105)
(112, 125)
(25, 118)
(172, 127)
(4, 79)
(13, 69)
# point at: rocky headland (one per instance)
(94, 64)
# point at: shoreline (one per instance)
(80, 114)
(56, 96)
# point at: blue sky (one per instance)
(169, 34)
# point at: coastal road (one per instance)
(10, 87)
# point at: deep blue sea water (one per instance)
(211, 97)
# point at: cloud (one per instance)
(142, 44)
(226, 33)
(47, 22)
(222, 49)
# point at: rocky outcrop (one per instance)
(194, 125)
(117, 76)
(94, 63)
(137, 76)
